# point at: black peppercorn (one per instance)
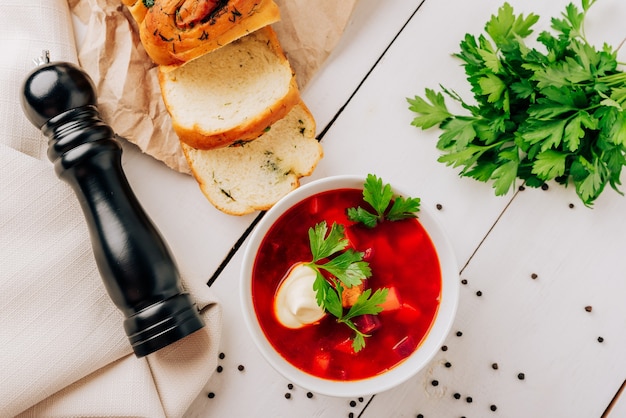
(494, 366)
(240, 368)
(211, 395)
(309, 395)
(457, 396)
(521, 376)
(448, 364)
(352, 404)
(219, 369)
(287, 395)
(435, 383)
(493, 407)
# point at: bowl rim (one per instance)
(393, 377)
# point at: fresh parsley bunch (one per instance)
(553, 114)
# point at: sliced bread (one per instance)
(232, 94)
(174, 32)
(254, 175)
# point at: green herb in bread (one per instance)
(551, 113)
(256, 174)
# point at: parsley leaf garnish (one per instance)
(379, 196)
(344, 268)
(552, 112)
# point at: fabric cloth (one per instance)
(63, 350)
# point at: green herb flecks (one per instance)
(552, 114)
(345, 269)
(379, 196)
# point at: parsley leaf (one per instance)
(380, 196)
(367, 303)
(432, 113)
(551, 110)
(323, 246)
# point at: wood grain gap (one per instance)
(618, 394)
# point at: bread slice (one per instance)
(174, 32)
(254, 175)
(232, 94)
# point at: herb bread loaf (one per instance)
(254, 175)
(174, 32)
(232, 97)
(232, 94)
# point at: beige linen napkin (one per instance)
(63, 351)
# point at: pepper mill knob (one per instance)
(135, 264)
(52, 89)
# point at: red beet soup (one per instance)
(402, 258)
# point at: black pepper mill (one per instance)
(136, 266)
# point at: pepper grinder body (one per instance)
(136, 266)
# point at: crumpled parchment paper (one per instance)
(129, 97)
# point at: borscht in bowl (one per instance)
(349, 286)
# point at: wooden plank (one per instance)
(368, 34)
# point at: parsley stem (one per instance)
(613, 79)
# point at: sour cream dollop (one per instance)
(295, 304)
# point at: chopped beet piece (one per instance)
(367, 323)
(405, 347)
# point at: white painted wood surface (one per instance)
(535, 326)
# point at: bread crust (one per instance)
(171, 40)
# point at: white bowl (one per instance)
(392, 377)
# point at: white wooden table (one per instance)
(535, 260)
